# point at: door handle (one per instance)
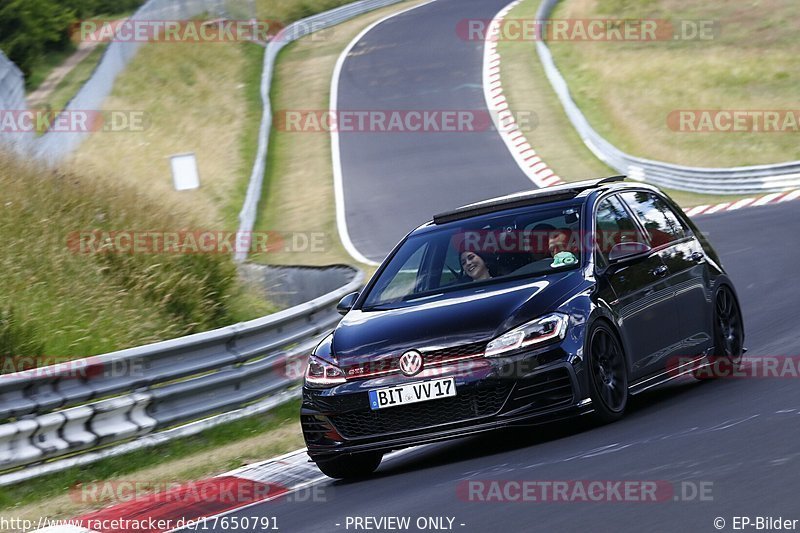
(660, 272)
(698, 257)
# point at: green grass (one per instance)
(627, 89)
(57, 484)
(51, 59)
(42, 68)
(74, 305)
(291, 10)
(68, 87)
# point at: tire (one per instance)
(350, 466)
(726, 356)
(608, 374)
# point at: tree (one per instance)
(28, 28)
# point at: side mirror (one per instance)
(627, 250)
(347, 303)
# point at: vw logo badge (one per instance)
(411, 363)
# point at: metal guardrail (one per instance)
(80, 406)
(301, 28)
(735, 180)
(12, 97)
(69, 414)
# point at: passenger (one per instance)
(474, 265)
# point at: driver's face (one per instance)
(557, 243)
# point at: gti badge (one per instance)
(411, 363)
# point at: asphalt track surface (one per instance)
(739, 434)
(395, 181)
(740, 437)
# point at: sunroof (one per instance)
(521, 199)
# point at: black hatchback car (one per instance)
(526, 308)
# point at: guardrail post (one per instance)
(15, 444)
(111, 421)
(74, 431)
(47, 437)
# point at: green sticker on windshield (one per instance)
(563, 259)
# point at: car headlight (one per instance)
(319, 372)
(540, 331)
(322, 374)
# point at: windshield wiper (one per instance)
(379, 307)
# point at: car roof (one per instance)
(525, 198)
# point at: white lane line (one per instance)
(338, 184)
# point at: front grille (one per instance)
(548, 389)
(385, 364)
(469, 404)
(439, 356)
(340, 403)
(313, 428)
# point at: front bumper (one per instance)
(491, 393)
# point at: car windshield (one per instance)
(479, 251)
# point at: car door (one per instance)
(684, 257)
(637, 289)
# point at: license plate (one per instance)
(421, 391)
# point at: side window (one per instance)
(661, 223)
(613, 226)
(451, 267)
(405, 279)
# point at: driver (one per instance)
(558, 245)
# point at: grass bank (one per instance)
(59, 304)
(628, 89)
(552, 135)
(69, 86)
